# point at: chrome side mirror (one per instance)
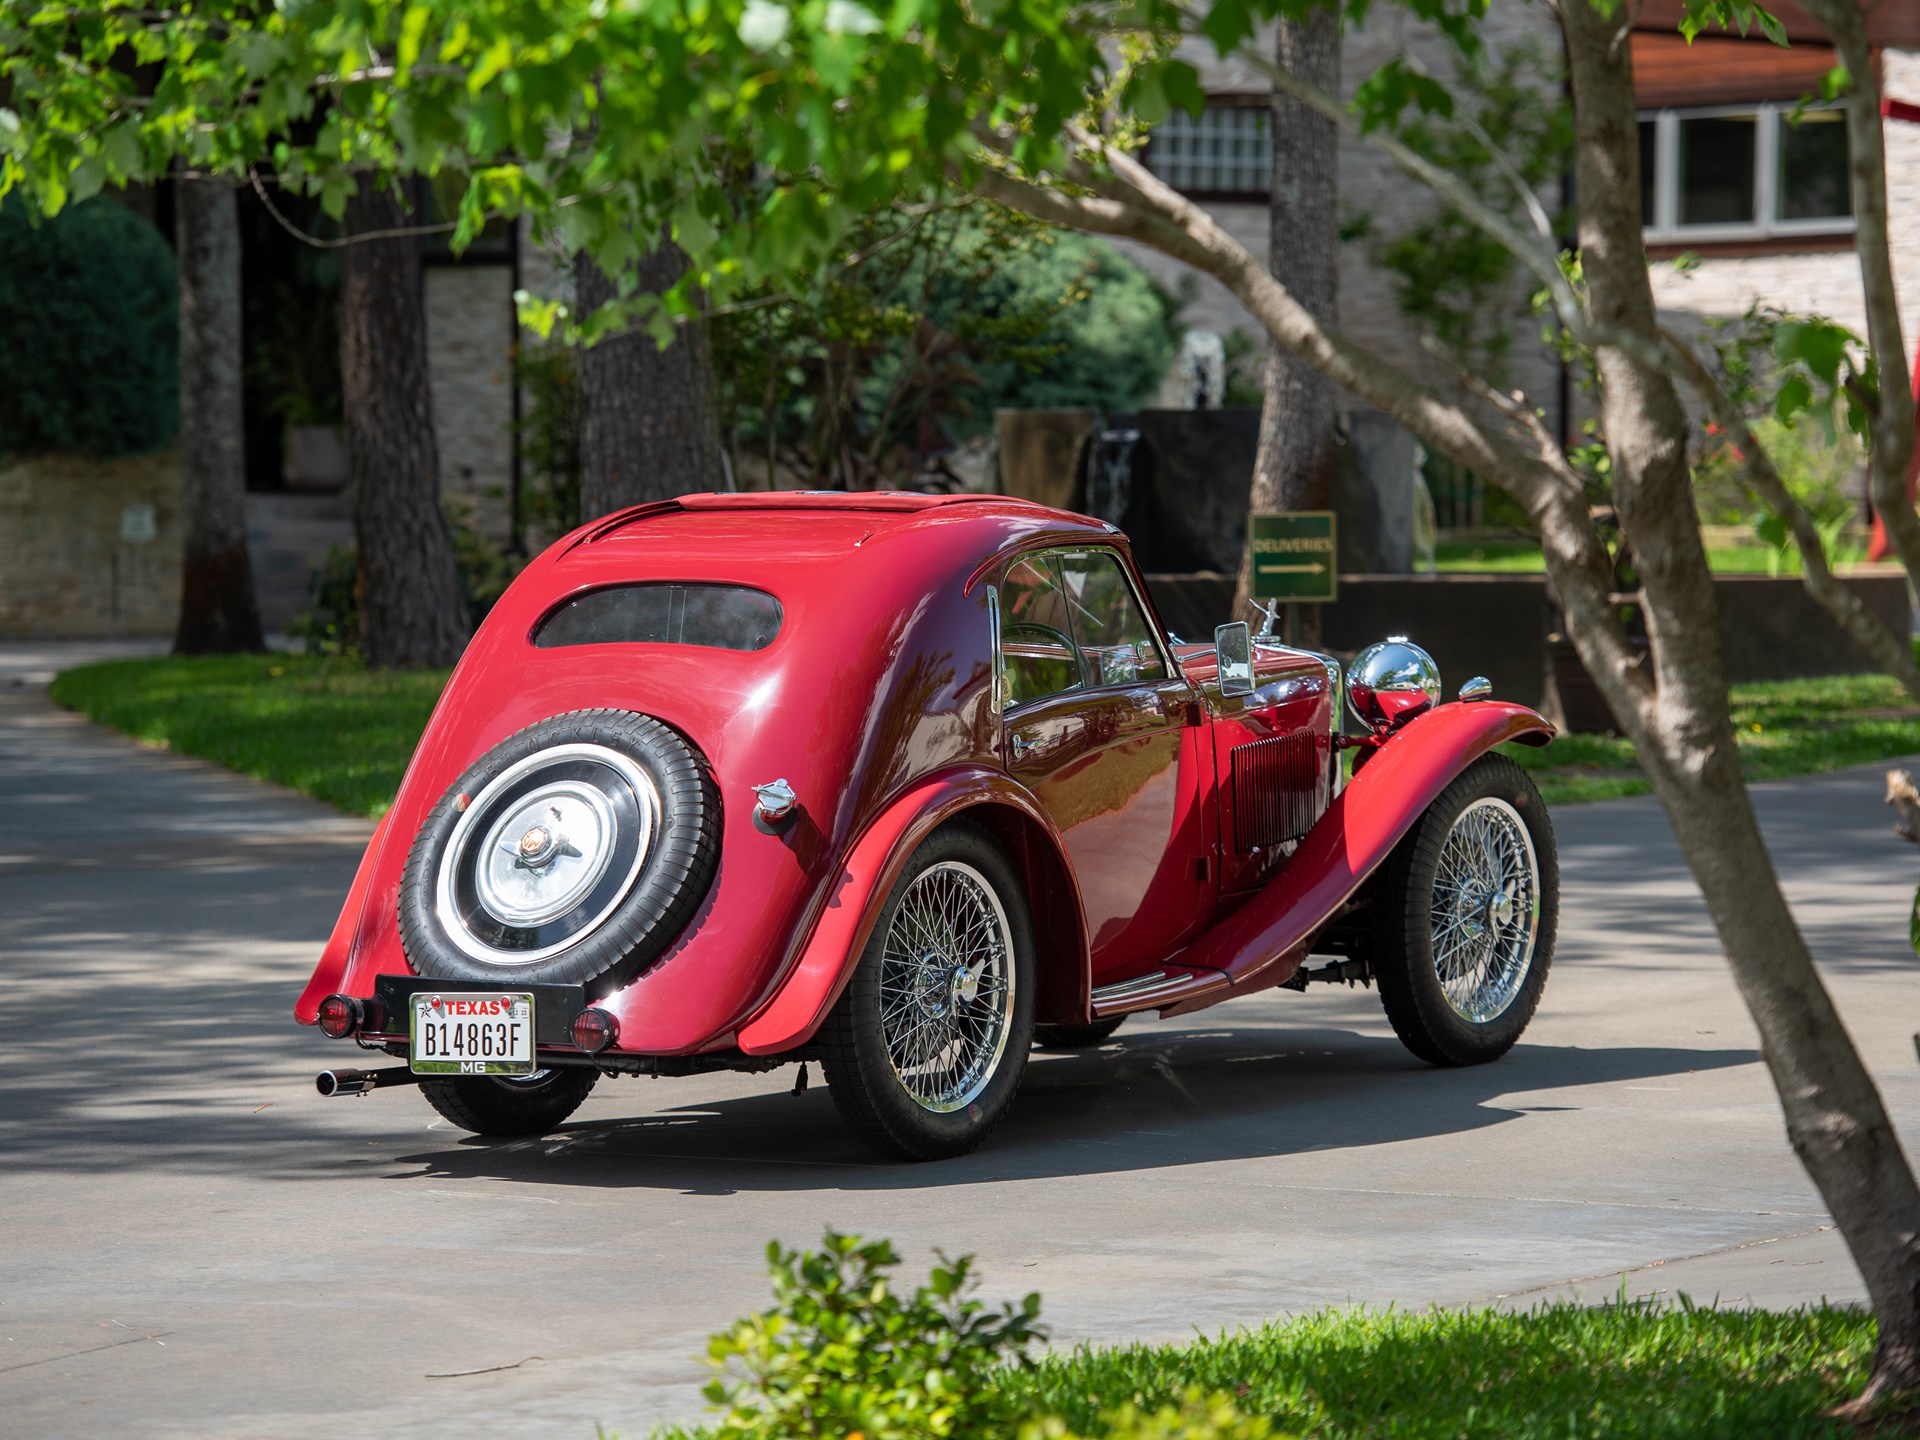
(1233, 654)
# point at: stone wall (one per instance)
(89, 547)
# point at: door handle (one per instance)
(1021, 745)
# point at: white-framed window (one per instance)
(1225, 150)
(1743, 172)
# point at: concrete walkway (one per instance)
(194, 1243)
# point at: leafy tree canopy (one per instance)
(759, 131)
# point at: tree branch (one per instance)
(1157, 215)
(402, 233)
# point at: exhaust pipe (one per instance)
(359, 1082)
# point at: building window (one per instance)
(1225, 150)
(1746, 173)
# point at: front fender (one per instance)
(873, 866)
(1265, 940)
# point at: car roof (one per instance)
(765, 531)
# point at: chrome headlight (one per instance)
(1392, 681)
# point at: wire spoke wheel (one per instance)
(1464, 916)
(1485, 914)
(925, 1048)
(947, 986)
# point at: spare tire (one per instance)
(572, 852)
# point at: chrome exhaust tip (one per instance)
(360, 1082)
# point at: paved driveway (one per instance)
(192, 1242)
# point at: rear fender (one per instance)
(330, 974)
(1264, 941)
(874, 865)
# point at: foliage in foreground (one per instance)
(844, 1352)
(1562, 1371)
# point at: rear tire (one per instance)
(925, 1050)
(1076, 1037)
(498, 1105)
(1465, 917)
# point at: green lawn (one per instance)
(1522, 557)
(1784, 727)
(1559, 1373)
(328, 728)
(336, 731)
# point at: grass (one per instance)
(328, 728)
(1560, 1372)
(1783, 728)
(340, 733)
(1522, 557)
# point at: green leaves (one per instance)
(842, 1353)
(1823, 366)
(1384, 96)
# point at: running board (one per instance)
(1154, 990)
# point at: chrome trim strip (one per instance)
(1120, 989)
(1152, 992)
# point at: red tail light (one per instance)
(340, 1016)
(595, 1030)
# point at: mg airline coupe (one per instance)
(905, 785)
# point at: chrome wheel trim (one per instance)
(1485, 910)
(947, 983)
(566, 830)
(463, 843)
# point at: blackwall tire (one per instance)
(501, 1105)
(924, 1051)
(1465, 917)
(619, 815)
(1076, 1037)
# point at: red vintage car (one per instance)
(906, 784)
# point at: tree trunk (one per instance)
(1294, 468)
(218, 613)
(1682, 732)
(412, 612)
(648, 427)
(1677, 719)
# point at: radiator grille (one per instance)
(1280, 787)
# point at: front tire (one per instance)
(1466, 915)
(925, 1050)
(501, 1105)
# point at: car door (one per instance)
(1102, 729)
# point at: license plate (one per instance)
(471, 1034)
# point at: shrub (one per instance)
(89, 333)
(1196, 1417)
(842, 1352)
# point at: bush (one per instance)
(842, 1353)
(89, 333)
(1113, 341)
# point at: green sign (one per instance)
(1293, 556)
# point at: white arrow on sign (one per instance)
(1293, 569)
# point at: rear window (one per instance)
(720, 617)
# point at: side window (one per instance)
(1115, 643)
(1036, 632)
